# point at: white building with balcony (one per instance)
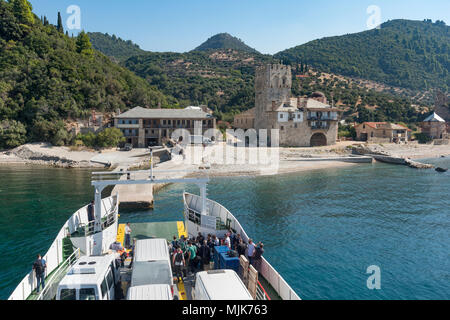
(143, 127)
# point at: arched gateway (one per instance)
(318, 140)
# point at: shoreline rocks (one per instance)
(418, 165)
(383, 156)
(26, 155)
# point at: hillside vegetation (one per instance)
(374, 64)
(402, 53)
(47, 77)
(113, 46)
(222, 79)
(357, 102)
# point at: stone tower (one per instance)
(442, 106)
(273, 88)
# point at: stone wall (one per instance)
(436, 130)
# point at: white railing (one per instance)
(260, 293)
(267, 271)
(277, 282)
(54, 256)
(51, 285)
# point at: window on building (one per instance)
(281, 128)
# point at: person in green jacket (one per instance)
(192, 253)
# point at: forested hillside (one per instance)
(402, 53)
(47, 77)
(113, 46)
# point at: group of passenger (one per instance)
(190, 256)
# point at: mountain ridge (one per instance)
(225, 41)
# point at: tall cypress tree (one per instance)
(60, 24)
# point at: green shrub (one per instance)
(12, 134)
(110, 137)
(423, 137)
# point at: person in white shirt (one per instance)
(228, 241)
(216, 241)
(250, 250)
(127, 236)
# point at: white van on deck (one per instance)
(220, 285)
(91, 278)
(151, 264)
(151, 292)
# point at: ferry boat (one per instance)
(81, 251)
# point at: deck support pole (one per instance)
(97, 244)
(98, 209)
(203, 196)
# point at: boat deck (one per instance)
(163, 230)
(167, 230)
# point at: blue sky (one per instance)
(266, 25)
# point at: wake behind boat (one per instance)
(82, 266)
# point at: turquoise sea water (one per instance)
(321, 229)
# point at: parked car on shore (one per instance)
(127, 147)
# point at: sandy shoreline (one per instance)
(290, 159)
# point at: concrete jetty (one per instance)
(402, 161)
(142, 196)
(351, 159)
(134, 196)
